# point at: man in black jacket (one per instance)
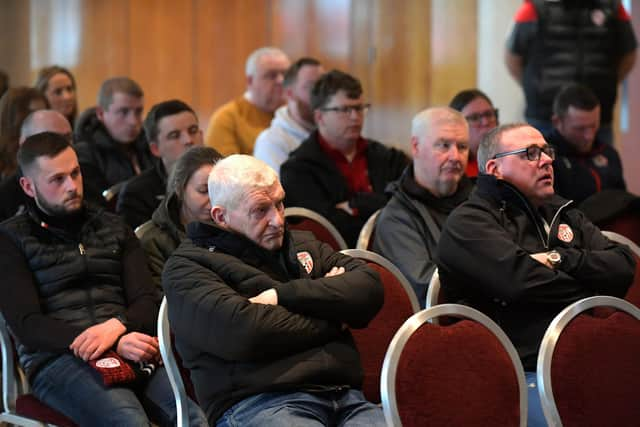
(408, 228)
(112, 147)
(76, 292)
(261, 316)
(335, 171)
(521, 254)
(171, 128)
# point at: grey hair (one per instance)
(254, 57)
(426, 119)
(490, 143)
(233, 177)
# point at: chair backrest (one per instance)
(588, 371)
(143, 228)
(110, 195)
(633, 294)
(365, 238)
(400, 303)
(433, 293)
(466, 373)
(18, 406)
(308, 220)
(171, 365)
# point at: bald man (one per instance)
(13, 200)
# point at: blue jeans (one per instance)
(535, 415)
(70, 386)
(285, 409)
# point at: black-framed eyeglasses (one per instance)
(489, 115)
(348, 109)
(533, 152)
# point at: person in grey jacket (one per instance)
(408, 227)
(187, 200)
(294, 121)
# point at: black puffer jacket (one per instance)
(236, 349)
(103, 160)
(484, 259)
(81, 275)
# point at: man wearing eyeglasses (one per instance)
(521, 254)
(335, 171)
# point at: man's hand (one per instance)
(138, 347)
(542, 258)
(97, 339)
(345, 207)
(269, 297)
(335, 271)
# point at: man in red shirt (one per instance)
(335, 171)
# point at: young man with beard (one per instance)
(409, 226)
(75, 290)
(294, 121)
(521, 254)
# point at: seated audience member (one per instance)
(59, 87)
(234, 127)
(261, 314)
(171, 128)
(4, 82)
(14, 201)
(336, 172)
(70, 305)
(408, 228)
(112, 146)
(584, 165)
(481, 115)
(15, 106)
(520, 253)
(187, 201)
(294, 121)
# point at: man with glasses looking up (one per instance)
(335, 171)
(519, 253)
(481, 115)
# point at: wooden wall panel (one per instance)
(14, 41)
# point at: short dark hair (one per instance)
(114, 85)
(188, 163)
(47, 144)
(161, 110)
(462, 98)
(291, 75)
(331, 83)
(574, 95)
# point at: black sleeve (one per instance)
(142, 295)
(131, 206)
(94, 181)
(211, 316)
(20, 304)
(353, 297)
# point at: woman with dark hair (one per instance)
(15, 106)
(481, 116)
(187, 200)
(59, 87)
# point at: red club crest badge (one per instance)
(306, 261)
(565, 233)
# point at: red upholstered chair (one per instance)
(19, 406)
(365, 238)
(633, 294)
(308, 220)
(627, 224)
(463, 374)
(400, 303)
(588, 370)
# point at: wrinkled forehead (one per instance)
(521, 137)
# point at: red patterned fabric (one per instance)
(373, 341)
(28, 406)
(113, 369)
(457, 375)
(316, 228)
(595, 374)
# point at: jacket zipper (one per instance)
(554, 220)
